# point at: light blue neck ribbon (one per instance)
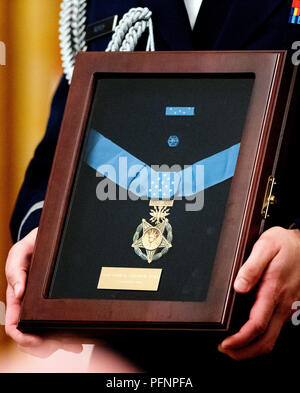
(129, 172)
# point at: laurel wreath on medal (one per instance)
(158, 255)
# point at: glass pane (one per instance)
(152, 120)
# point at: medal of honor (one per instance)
(157, 239)
(153, 238)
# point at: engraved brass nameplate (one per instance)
(137, 279)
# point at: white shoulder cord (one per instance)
(72, 33)
(130, 29)
(125, 38)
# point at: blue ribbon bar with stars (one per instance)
(180, 111)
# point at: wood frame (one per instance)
(266, 118)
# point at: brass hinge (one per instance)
(269, 198)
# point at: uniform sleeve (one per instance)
(29, 204)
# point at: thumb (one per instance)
(18, 262)
(263, 251)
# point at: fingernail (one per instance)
(220, 348)
(17, 290)
(241, 284)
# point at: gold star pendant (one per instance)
(152, 238)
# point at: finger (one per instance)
(264, 250)
(43, 350)
(260, 316)
(262, 346)
(18, 262)
(11, 321)
(47, 347)
(74, 348)
(69, 344)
